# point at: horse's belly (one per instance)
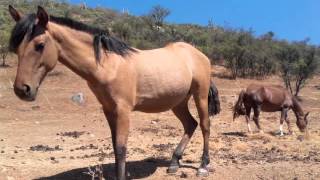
(268, 107)
(162, 96)
(153, 105)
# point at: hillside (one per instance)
(254, 56)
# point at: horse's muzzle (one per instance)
(25, 92)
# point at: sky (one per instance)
(293, 20)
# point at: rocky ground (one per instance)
(55, 138)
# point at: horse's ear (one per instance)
(16, 15)
(42, 16)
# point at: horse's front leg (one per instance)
(288, 123)
(119, 125)
(282, 119)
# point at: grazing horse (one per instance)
(269, 98)
(123, 78)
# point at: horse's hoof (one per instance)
(202, 172)
(172, 169)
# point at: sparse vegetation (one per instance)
(298, 63)
(243, 53)
(4, 51)
(95, 172)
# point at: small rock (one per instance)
(2, 151)
(78, 98)
(35, 107)
(57, 147)
(183, 175)
(15, 151)
(300, 138)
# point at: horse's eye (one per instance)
(39, 47)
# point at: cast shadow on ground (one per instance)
(137, 170)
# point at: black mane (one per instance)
(21, 29)
(27, 27)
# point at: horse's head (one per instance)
(36, 50)
(302, 122)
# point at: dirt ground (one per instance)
(54, 138)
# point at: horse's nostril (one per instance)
(26, 89)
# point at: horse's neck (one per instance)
(76, 50)
(297, 107)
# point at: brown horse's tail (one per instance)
(238, 108)
(213, 100)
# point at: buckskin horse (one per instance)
(269, 98)
(123, 78)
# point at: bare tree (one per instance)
(158, 14)
(298, 63)
(4, 50)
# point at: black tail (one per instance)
(213, 100)
(238, 108)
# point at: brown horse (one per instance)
(123, 78)
(269, 98)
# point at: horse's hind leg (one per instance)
(201, 100)
(248, 112)
(257, 110)
(189, 125)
